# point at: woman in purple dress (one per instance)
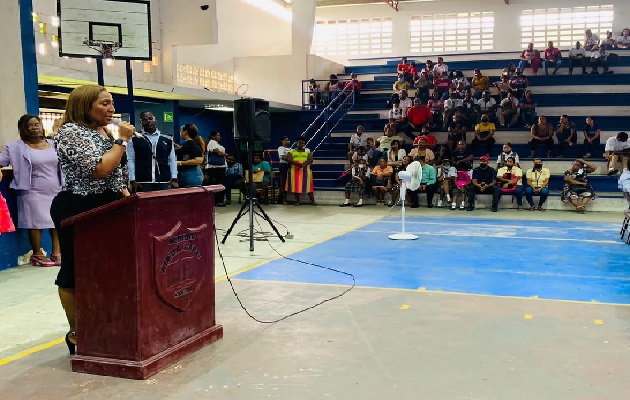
(37, 179)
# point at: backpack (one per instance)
(463, 178)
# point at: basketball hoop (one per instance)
(106, 49)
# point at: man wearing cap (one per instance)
(483, 182)
(357, 140)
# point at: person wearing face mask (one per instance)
(484, 134)
(537, 185)
(510, 181)
(37, 179)
(483, 182)
(190, 157)
(456, 132)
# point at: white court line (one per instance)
(407, 222)
(468, 234)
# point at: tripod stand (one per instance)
(248, 207)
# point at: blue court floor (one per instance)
(579, 261)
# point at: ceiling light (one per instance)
(55, 22)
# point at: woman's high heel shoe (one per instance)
(56, 258)
(41, 260)
(70, 343)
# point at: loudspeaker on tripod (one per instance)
(251, 120)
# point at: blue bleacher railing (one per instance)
(336, 105)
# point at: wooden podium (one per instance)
(144, 269)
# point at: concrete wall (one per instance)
(506, 17)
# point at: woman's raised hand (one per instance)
(126, 131)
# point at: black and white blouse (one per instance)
(79, 150)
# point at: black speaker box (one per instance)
(251, 120)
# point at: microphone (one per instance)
(116, 121)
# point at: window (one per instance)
(194, 75)
(440, 33)
(564, 26)
(353, 37)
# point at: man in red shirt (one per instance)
(552, 57)
(417, 117)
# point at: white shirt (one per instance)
(405, 105)
(283, 151)
(358, 141)
(612, 144)
(392, 157)
(594, 39)
(437, 68)
(485, 106)
(507, 100)
(577, 52)
(212, 145)
(396, 113)
(623, 40)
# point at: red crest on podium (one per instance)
(180, 264)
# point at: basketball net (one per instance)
(106, 49)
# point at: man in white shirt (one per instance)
(509, 111)
(396, 116)
(357, 140)
(405, 102)
(617, 146)
(440, 67)
(577, 56)
(488, 105)
(591, 41)
(623, 42)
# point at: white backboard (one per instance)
(127, 22)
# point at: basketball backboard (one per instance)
(118, 29)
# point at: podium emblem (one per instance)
(180, 264)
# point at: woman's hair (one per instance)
(214, 133)
(512, 158)
(79, 103)
(23, 125)
(302, 138)
(193, 133)
(283, 138)
(395, 141)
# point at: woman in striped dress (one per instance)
(300, 176)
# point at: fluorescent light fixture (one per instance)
(147, 68)
(55, 21)
(109, 62)
(42, 49)
(219, 107)
(35, 16)
(88, 60)
(272, 8)
(55, 42)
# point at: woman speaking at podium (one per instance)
(95, 174)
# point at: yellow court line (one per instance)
(45, 346)
(32, 350)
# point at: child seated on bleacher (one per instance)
(446, 181)
(359, 177)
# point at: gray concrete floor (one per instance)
(369, 344)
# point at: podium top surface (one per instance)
(134, 198)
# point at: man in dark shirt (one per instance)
(462, 157)
(484, 181)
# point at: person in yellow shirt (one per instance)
(510, 181)
(484, 134)
(537, 184)
(480, 84)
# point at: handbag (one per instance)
(259, 176)
(214, 159)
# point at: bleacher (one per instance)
(605, 97)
